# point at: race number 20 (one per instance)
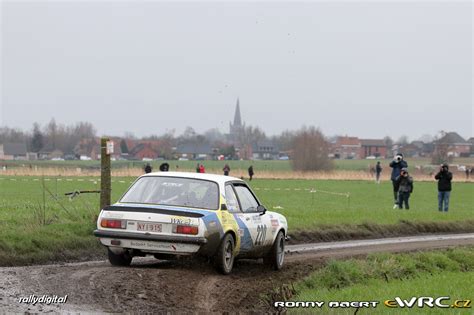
(261, 233)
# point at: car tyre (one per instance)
(276, 256)
(225, 255)
(123, 259)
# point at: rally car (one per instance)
(169, 214)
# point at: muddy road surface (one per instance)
(184, 286)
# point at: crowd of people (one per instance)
(164, 167)
(402, 183)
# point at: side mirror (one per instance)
(261, 209)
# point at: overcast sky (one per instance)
(362, 68)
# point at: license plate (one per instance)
(149, 227)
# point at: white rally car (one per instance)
(169, 213)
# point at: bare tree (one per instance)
(285, 140)
(403, 140)
(12, 135)
(37, 139)
(251, 135)
(310, 150)
(441, 150)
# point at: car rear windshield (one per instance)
(174, 191)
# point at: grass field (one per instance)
(383, 277)
(365, 201)
(37, 226)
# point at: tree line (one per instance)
(309, 146)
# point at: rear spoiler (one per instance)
(183, 213)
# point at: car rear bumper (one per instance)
(148, 243)
(150, 237)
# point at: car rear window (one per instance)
(174, 191)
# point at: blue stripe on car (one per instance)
(246, 243)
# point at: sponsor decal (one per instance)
(181, 220)
(171, 184)
(274, 222)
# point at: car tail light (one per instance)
(185, 229)
(113, 224)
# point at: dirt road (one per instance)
(177, 286)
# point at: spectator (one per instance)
(164, 167)
(202, 169)
(444, 177)
(226, 170)
(405, 188)
(250, 170)
(397, 164)
(378, 170)
(468, 171)
(198, 168)
(148, 168)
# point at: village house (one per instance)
(346, 148)
(265, 150)
(13, 151)
(372, 147)
(195, 151)
(143, 151)
(456, 145)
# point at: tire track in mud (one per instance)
(183, 286)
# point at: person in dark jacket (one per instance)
(444, 177)
(397, 164)
(147, 168)
(164, 167)
(250, 170)
(378, 170)
(226, 169)
(405, 188)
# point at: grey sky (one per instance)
(367, 69)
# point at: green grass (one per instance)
(368, 202)
(368, 212)
(383, 277)
(67, 234)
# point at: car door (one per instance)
(258, 224)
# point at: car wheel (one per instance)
(225, 255)
(123, 259)
(277, 254)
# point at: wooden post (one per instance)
(105, 177)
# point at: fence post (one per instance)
(105, 177)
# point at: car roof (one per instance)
(221, 179)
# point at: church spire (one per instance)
(237, 118)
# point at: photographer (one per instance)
(397, 164)
(405, 188)
(444, 178)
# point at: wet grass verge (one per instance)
(368, 230)
(383, 276)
